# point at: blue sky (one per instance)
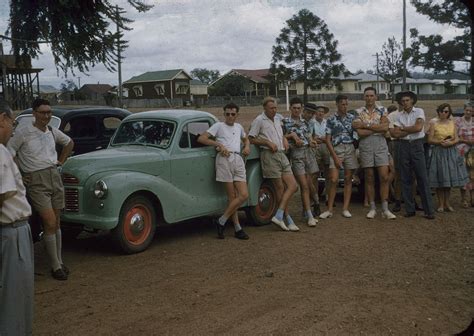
(227, 34)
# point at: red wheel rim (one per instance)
(266, 203)
(137, 224)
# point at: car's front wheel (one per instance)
(137, 225)
(262, 213)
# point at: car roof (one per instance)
(62, 111)
(176, 115)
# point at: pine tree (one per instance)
(306, 51)
(390, 65)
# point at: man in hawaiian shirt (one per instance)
(339, 140)
(371, 124)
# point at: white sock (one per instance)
(237, 227)
(59, 245)
(51, 250)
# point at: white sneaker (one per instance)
(388, 215)
(326, 214)
(372, 213)
(293, 227)
(346, 213)
(312, 222)
(279, 223)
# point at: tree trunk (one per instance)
(470, 7)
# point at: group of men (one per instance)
(28, 159)
(295, 149)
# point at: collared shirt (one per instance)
(35, 149)
(15, 206)
(407, 119)
(299, 127)
(265, 128)
(229, 136)
(371, 118)
(318, 128)
(392, 118)
(340, 129)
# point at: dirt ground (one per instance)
(346, 276)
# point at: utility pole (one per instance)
(79, 82)
(4, 73)
(377, 69)
(404, 80)
(119, 63)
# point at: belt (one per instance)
(410, 140)
(16, 224)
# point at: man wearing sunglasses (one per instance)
(227, 137)
(34, 148)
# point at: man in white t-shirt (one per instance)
(227, 137)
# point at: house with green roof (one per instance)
(164, 84)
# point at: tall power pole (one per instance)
(404, 82)
(119, 63)
(4, 73)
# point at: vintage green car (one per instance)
(154, 172)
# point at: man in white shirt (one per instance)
(34, 148)
(409, 128)
(230, 167)
(17, 262)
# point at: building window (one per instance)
(433, 87)
(382, 86)
(138, 90)
(182, 88)
(413, 87)
(356, 87)
(160, 89)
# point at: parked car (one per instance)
(154, 172)
(89, 127)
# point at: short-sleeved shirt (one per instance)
(407, 119)
(318, 128)
(268, 129)
(16, 206)
(229, 136)
(35, 149)
(373, 118)
(299, 127)
(340, 129)
(465, 131)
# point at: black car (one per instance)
(89, 127)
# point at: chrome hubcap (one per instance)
(137, 224)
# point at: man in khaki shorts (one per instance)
(339, 140)
(371, 124)
(266, 132)
(230, 167)
(34, 147)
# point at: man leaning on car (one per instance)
(34, 148)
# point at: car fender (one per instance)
(254, 180)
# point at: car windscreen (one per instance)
(144, 132)
(29, 118)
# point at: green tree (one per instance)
(205, 75)
(232, 85)
(68, 86)
(306, 51)
(81, 33)
(432, 51)
(390, 66)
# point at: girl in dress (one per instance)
(447, 168)
(465, 127)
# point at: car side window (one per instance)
(81, 127)
(108, 126)
(191, 132)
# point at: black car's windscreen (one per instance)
(146, 132)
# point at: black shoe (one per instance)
(409, 214)
(241, 235)
(397, 207)
(220, 229)
(65, 269)
(429, 216)
(59, 274)
(316, 210)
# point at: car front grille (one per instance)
(72, 200)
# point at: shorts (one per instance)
(323, 158)
(346, 153)
(373, 151)
(274, 165)
(230, 168)
(45, 189)
(303, 161)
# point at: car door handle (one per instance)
(98, 147)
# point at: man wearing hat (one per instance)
(303, 162)
(409, 128)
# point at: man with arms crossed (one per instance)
(339, 140)
(34, 148)
(17, 262)
(409, 128)
(266, 132)
(230, 166)
(371, 124)
(303, 162)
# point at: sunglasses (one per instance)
(445, 111)
(228, 114)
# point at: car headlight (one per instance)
(100, 189)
